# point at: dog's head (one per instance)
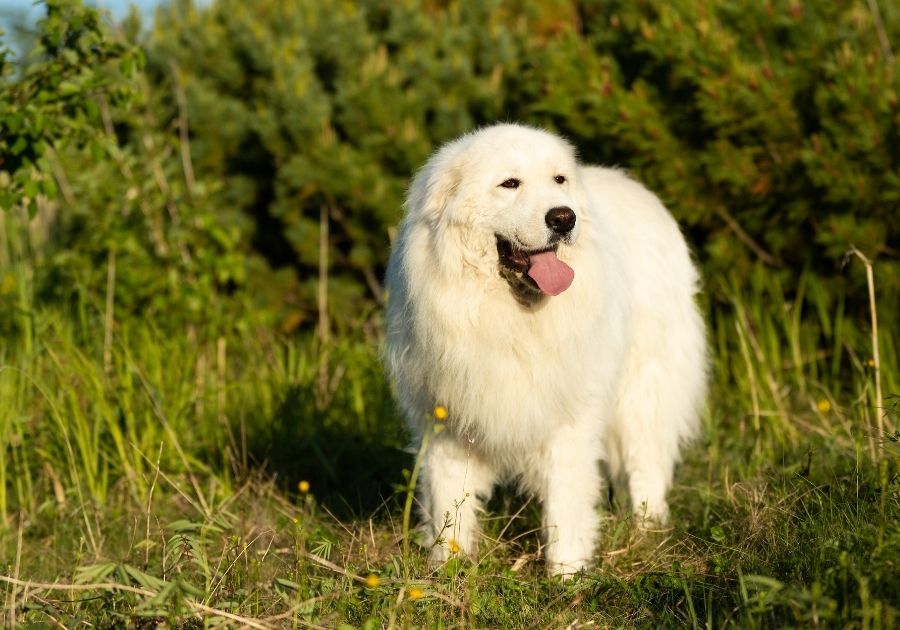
(512, 192)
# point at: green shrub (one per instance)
(309, 109)
(117, 220)
(770, 129)
(54, 103)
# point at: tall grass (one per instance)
(803, 365)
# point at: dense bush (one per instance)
(119, 221)
(54, 104)
(771, 129)
(313, 108)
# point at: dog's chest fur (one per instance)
(532, 365)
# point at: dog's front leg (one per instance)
(570, 490)
(454, 480)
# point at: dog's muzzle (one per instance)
(538, 272)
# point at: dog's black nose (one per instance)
(561, 220)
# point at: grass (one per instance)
(150, 478)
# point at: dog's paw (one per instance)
(566, 570)
(442, 550)
(438, 555)
(568, 558)
(652, 515)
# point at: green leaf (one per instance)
(98, 151)
(49, 189)
(94, 572)
(19, 145)
(31, 188)
(717, 533)
(141, 578)
(282, 583)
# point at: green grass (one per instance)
(150, 479)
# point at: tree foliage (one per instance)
(87, 145)
(54, 104)
(771, 129)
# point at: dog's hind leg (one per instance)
(455, 480)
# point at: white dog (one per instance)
(549, 306)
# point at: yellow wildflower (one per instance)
(824, 405)
(373, 581)
(440, 412)
(415, 593)
(871, 363)
(303, 486)
(453, 545)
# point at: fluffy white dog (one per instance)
(549, 306)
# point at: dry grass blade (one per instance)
(880, 416)
(115, 586)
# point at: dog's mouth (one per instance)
(538, 270)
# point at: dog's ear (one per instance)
(433, 187)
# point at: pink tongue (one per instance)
(552, 275)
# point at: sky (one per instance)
(118, 8)
(14, 10)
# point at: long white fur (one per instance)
(613, 369)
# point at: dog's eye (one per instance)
(512, 182)
(560, 179)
